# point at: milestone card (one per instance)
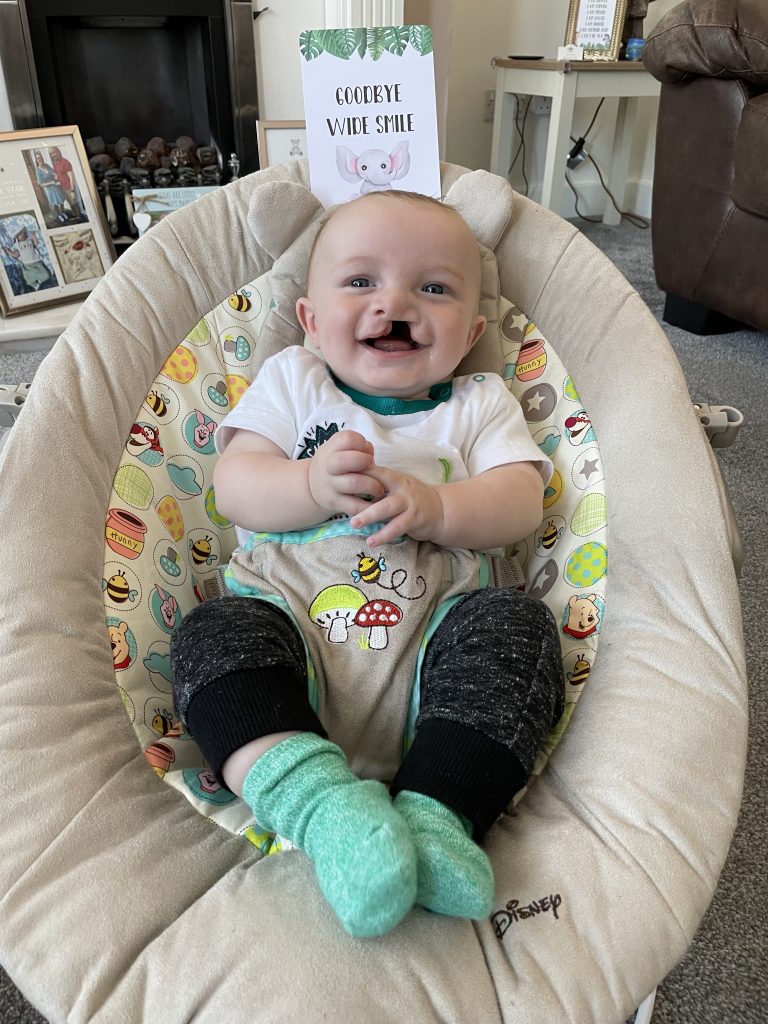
(369, 103)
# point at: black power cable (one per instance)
(573, 161)
(520, 128)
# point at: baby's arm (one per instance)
(260, 488)
(491, 510)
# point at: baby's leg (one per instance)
(240, 689)
(492, 688)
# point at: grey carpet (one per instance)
(723, 979)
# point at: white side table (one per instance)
(565, 82)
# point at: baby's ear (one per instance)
(305, 314)
(280, 211)
(485, 201)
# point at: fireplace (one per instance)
(136, 69)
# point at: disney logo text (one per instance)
(502, 919)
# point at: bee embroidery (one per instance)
(580, 672)
(201, 551)
(368, 569)
(118, 589)
(240, 302)
(550, 536)
(157, 403)
(165, 724)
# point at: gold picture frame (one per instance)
(596, 26)
(54, 241)
(279, 141)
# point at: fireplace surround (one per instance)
(135, 68)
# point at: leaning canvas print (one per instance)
(369, 101)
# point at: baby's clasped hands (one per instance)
(407, 506)
(343, 477)
(340, 474)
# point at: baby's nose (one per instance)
(395, 304)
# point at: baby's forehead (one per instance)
(386, 205)
(398, 208)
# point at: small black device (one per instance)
(525, 56)
(576, 154)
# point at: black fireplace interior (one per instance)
(120, 68)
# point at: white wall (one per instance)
(476, 30)
(276, 34)
(433, 13)
(538, 27)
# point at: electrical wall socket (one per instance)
(489, 107)
(541, 105)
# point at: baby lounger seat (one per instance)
(118, 899)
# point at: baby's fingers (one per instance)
(358, 484)
(344, 462)
(391, 531)
(350, 504)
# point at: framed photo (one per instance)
(280, 141)
(597, 26)
(151, 205)
(54, 241)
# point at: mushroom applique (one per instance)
(334, 609)
(378, 616)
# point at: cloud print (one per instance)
(184, 478)
(160, 663)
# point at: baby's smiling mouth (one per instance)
(397, 339)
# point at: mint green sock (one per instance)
(454, 876)
(361, 848)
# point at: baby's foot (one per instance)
(364, 858)
(454, 876)
(362, 849)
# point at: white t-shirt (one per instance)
(28, 251)
(470, 424)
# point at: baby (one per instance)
(367, 487)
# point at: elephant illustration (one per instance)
(375, 168)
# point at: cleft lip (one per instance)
(395, 330)
(400, 330)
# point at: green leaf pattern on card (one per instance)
(421, 38)
(394, 38)
(343, 42)
(310, 44)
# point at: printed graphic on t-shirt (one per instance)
(311, 444)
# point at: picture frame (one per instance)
(596, 26)
(54, 241)
(279, 141)
(151, 205)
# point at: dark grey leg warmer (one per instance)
(239, 672)
(492, 688)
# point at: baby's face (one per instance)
(393, 295)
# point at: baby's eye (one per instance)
(360, 282)
(433, 288)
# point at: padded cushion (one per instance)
(749, 192)
(113, 888)
(165, 541)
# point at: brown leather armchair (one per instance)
(710, 188)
